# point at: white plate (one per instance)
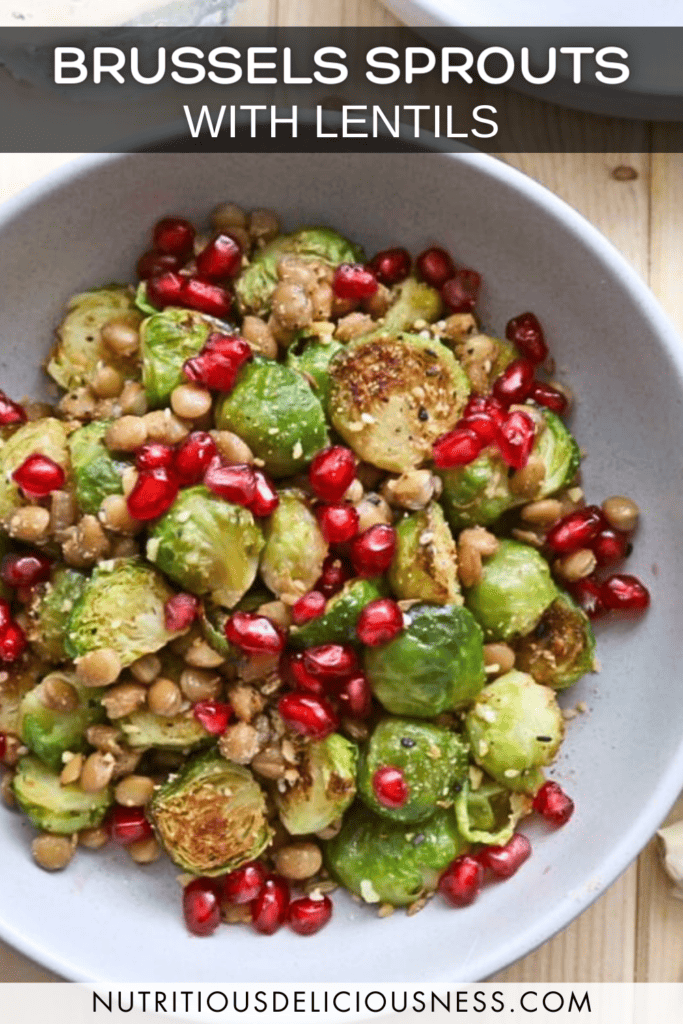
(540, 13)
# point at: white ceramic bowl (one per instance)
(622, 762)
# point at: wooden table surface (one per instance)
(634, 931)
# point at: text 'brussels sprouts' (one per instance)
(326, 786)
(515, 589)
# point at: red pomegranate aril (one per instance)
(266, 499)
(355, 696)
(306, 916)
(217, 365)
(527, 334)
(5, 613)
(165, 290)
(391, 266)
(553, 804)
(201, 906)
(39, 476)
(331, 661)
(308, 607)
(335, 573)
(173, 235)
(586, 593)
(269, 908)
(576, 530)
(3, 745)
(25, 570)
(233, 483)
(153, 264)
(154, 492)
(505, 861)
(128, 825)
(297, 675)
(379, 622)
(373, 551)
(244, 884)
(214, 715)
(483, 425)
(154, 456)
(11, 412)
(485, 405)
(205, 297)
(435, 266)
(332, 472)
(390, 787)
(354, 281)
(515, 382)
(460, 292)
(221, 258)
(308, 715)
(610, 546)
(338, 523)
(516, 439)
(193, 457)
(461, 882)
(13, 642)
(549, 397)
(180, 611)
(458, 447)
(625, 593)
(255, 634)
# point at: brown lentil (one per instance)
(198, 685)
(133, 399)
(576, 566)
(298, 861)
(30, 524)
(144, 851)
(106, 382)
(164, 698)
(71, 772)
(239, 743)
(256, 333)
(269, 763)
(352, 326)
(146, 669)
(161, 425)
(483, 542)
(93, 838)
(6, 790)
(123, 699)
(621, 513)
(63, 511)
(291, 306)
(52, 853)
(190, 402)
(236, 913)
(542, 513)
(469, 565)
(501, 655)
(91, 538)
(98, 668)
(263, 226)
(228, 215)
(412, 490)
(104, 737)
(129, 478)
(121, 336)
(78, 405)
(115, 516)
(57, 694)
(134, 791)
(378, 304)
(354, 492)
(526, 482)
(202, 655)
(373, 509)
(126, 434)
(14, 750)
(96, 772)
(246, 701)
(232, 448)
(322, 297)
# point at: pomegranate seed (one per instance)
(269, 909)
(553, 804)
(308, 715)
(515, 382)
(354, 281)
(435, 266)
(173, 235)
(127, 825)
(527, 334)
(201, 906)
(25, 570)
(550, 397)
(255, 634)
(458, 447)
(12, 642)
(576, 530)
(334, 575)
(625, 593)
(379, 622)
(485, 405)
(390, 787)
(153, 264)
(233, 483)
(180, 611)
(217, 365)
(193, 457)
(586, 593)
(610, 546)
(5, 613)
(504, 861)
(460, 292)
(154, 492)
(332, 472)
(373, 551)
(355, 696)
(266, 499)
(295, 672)
(221, 258)
(205, 297)
(165, 290)
(154, 456)
(391, 266)
(39, 476)
(461, 882)
(244, 884)
(3, 745)
(331, 661)
(11, 412)
(307, 916)
(483, 425)
(214, 715)
(516, 439)
(308, 607)
(338, 523)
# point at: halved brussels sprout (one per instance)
(312, 359)
(425, 566)
(515, 727)
(483, 358)
(212, 620)
(50, 611)
(255, 285)
(53, 807)
(79, 342)
(433, 760)
(95, 470)
(337, 624)
(142, 729)
(515, 589)
(393, 396)
(21, 677)
(295, 548)
(436, 664)
(414, 301)
(122, 609)
(392, 862)
(489, 814)
(326, 786)
(43, 437)
(274, 409)
(167, 340)
(561, 648)
(48, 733)
(211, 816)
(207, 545)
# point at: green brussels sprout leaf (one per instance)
(515, 589)
(326, 786)
(53, 807)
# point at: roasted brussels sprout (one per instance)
(515, 589)
(121, 609)
(515, 727)
(483, 358)
(142, 729)
(50, 733)
(295, 549)
(337, 624)
(312, 359)
(414, 301)
(326, 786)
(436, 664)
(167, 339)
(425, 566)
(211, 816)
(274, 409)
(53, 807)
(393, 396)
(95, 470)
(561, 647)
(212, 620)
(392, 862)
(16, 680)
(207, 545)
(44, 437)
(489, 813)
(50, 611)
(432, 760)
